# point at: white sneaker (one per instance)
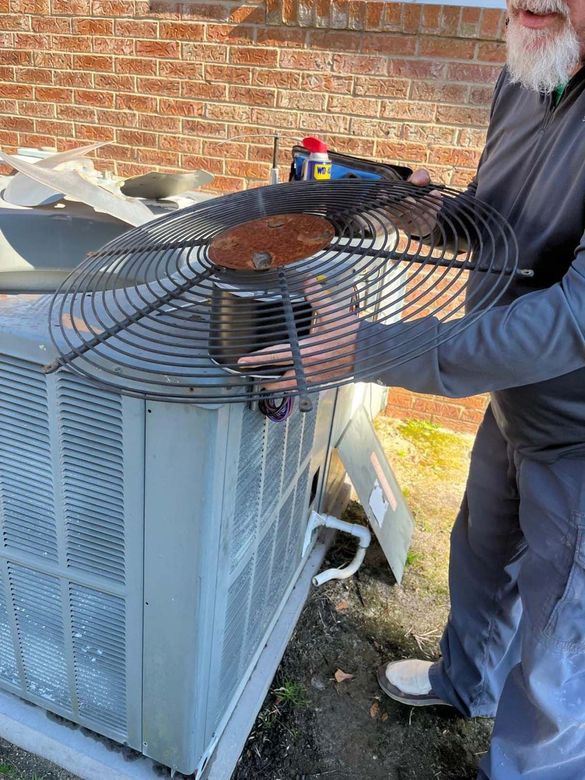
(408, 682)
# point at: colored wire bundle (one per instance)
(277, 410)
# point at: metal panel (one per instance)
(377, 488)
(99, 635)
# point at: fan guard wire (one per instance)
(142, 314)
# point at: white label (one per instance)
(378, 504)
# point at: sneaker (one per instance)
(408, 682)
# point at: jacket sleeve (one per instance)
(538, 337)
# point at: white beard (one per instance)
(541, 60)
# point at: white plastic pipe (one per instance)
(359, 531)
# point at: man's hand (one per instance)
(422, 224)
(328, 353)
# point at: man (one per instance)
(514, 646)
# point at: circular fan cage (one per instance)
(166, 310)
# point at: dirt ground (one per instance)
(314, 726)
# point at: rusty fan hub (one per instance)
(271, 242)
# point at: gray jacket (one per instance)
(530, 352)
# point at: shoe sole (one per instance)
(426, 700)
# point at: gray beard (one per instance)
(540, 60)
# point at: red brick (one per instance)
(473, 138)
(438, 91)
(94, 98)
(158, 123)
(170, 107)
(353, 64)
(336, 41)
(93, 26)
(29, 6)
(182, 31)
(462, 115)
(350, 145)
(33, 75)
(381, 87)
(355, 106)
(476, 74)
(12, 107)
(180, 143)
(229, 113)
(18, 124)
(281, 37)
(73, 78)
(491, 51)
(54, 94)
(225, 33)
(399, 109)
(229, 74)
(71, 7)
(135, 66)
(15, 22)
(114, 8)
(209, 164)
(417, 69)
(223, 150)
(165, 87)
(76, 113)
(392, 45)
(164, 9)
(450, 48)
(77, 43)
(411, 18)
(50, 24)
(326, 82)
(307, 101)
(357, 15)
(481, 96)
(207, 12)
(253, 96)
(168, 49)
(248, 14)
(117, 45)
(157, 157)
(492, 21)
(203, 90)
(374, 15)
(136, 138)
(388, 150)
(114, 83)
(125, 102)
(469, 23)
(107, 116)
(449, 156)
(204, 128)
(306, 60)
(16, 57)
(205, 52)
(248, 170)
(52, 128)
(274, 118)
(93, 62)
(31, 41)
(250, 56)
(94, 132)
(181, 70)
(48, 59)
(392, 17)
(324, 123)
(132, 28)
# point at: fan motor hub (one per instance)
(271, 242)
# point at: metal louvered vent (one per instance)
(26, 479)
(264, 545)
(93, 478)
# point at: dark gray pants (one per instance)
(514, 645)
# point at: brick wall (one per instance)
(170, 85)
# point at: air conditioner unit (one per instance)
(147, 547)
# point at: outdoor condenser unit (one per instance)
(149, 546)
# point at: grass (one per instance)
(292, 693)
(431, 466)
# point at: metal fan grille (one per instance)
(152, 313)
